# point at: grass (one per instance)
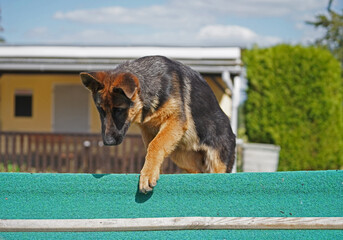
(10, 168)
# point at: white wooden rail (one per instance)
(169, 223)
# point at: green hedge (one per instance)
(295, 98)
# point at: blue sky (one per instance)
(167, 22)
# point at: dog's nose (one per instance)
(108, 140)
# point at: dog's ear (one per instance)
(128, 83)
(91, 80)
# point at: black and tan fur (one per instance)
(176, 110)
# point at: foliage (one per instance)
(295, 101)
(333, 25)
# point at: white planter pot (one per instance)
(260, 157)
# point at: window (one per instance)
(23, 103)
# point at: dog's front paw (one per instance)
(148, 179)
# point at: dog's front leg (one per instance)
(170, 133)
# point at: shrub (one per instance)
(295, 98)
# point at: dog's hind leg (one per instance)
(203, 161)
(213, 162)
(190, 161)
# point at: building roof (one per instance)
(88, 58)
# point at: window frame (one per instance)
(22, 111)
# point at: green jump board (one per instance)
(92, 196)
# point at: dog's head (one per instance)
(113, 95)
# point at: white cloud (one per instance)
(160, 16)
(179, 22)
(234, 35)
(99, 36)
(100, 15)
(253, 7)
(221, 32)
(38, 31)
(200, 11)
(310, 34)
(210, 35)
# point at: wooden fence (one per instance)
(72, 153)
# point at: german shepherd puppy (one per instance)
(177, 112)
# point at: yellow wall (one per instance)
(42, 87)
(224, 99)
